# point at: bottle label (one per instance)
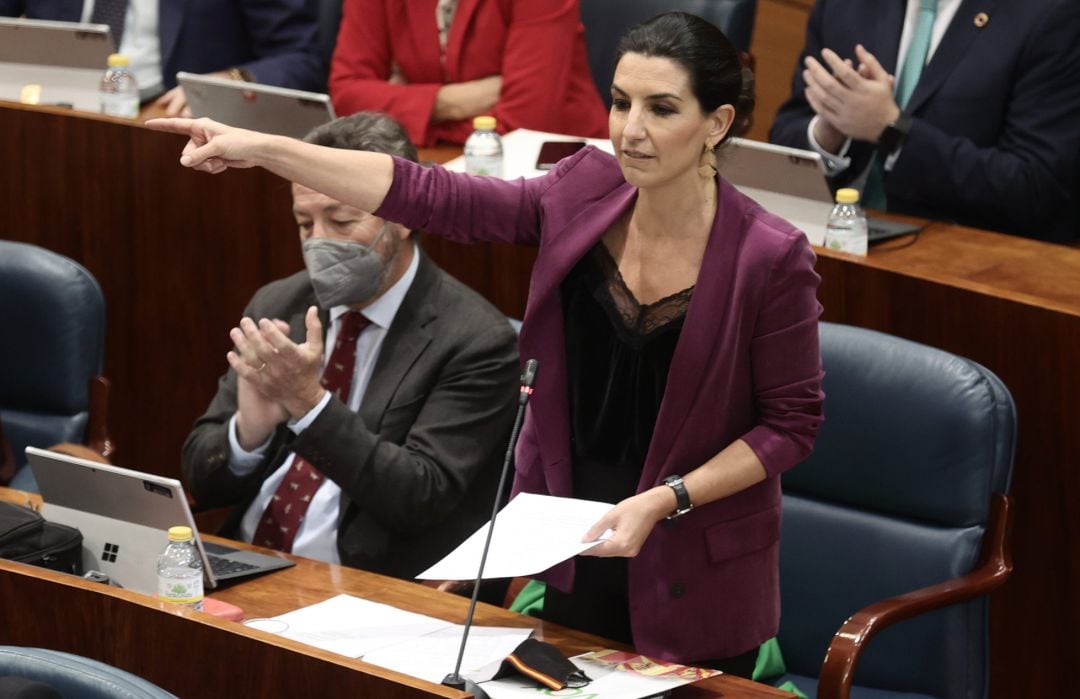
(120, 105)
(484, 165)
(181, 590)
(850, 239)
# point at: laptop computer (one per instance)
(124, 515)
(264, 108)
(791, 183)
(64, 60)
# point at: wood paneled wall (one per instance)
(779, 32)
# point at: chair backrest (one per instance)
(607, 20)
(52, 312)
(76, 676)
(895, 497)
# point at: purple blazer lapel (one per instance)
(706, 321)
(543, 337)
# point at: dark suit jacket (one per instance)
(996, 132)
(746, 366)
(419, 464)
(275, 39)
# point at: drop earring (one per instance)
(707, 164)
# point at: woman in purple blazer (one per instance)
(675, 325)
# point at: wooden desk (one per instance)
(198, 655)
(179, 254)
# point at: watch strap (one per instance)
(682, 498)
(894, 134)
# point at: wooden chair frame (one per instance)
(994, 568)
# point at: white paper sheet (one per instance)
(433, 657)
(532, 533)
(352, 626)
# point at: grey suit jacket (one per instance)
(419, 464)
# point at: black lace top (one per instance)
(618, 355)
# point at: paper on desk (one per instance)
(611, 679)
(521, 148)
(532, 533)
(352, 626)
(434, 656)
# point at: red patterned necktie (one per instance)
(286, 509)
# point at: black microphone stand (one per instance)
(454, 679)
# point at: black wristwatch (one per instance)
(682, 498)
(894, 134)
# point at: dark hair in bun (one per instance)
(717, 76)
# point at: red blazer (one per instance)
(537, 46)
(746, 366)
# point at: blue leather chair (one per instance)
(76, 676)
(53, 314)
(607, 20)
(903, 501)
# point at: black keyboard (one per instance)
(224, 566)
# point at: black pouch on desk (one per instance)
(26, 537)
(543, 663)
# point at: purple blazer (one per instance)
(746, 366)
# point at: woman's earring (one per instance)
(707, 164)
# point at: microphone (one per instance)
(454, 679)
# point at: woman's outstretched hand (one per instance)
(214, 147)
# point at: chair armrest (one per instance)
(994, 567)
(97, 429)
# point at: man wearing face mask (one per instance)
(369, 398)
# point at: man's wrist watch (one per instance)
(894, 134)
(682, 498)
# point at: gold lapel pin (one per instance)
(981, 19)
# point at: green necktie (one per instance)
(914, 61)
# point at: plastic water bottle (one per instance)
(180, 571)
(118, 93)
(483, 149)
(847, 230)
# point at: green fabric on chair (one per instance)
(770, 664)
(530, 601)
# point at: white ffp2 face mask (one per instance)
(344, 272)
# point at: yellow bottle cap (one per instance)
(847, 195)
(179, 533)
(118, 60)
(485, 123)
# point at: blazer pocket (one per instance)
(738, 537)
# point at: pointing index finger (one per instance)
(178, 125)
